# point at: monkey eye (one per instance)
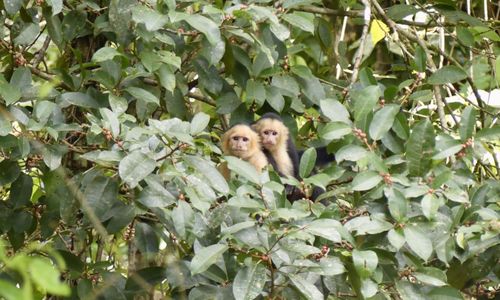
(245, 139)
(266, 132)
(235, 138)
(275, 133)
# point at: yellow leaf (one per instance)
(378, 31)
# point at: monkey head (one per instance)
(273, 133)
(240, 141)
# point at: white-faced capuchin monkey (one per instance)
(277, 144)
(281, 151)
(241, 141)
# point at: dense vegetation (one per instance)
(110, 118)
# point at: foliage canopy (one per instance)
(111, 113)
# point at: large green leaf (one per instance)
(418, 241)
(20, 190)
(210, 173)
(334, 131)
(206, 257)
(142, 95)
(307, 162)
(301, 20)
(398, 205)
(325, 228)
(9, 92)
(306, 288)
(146, 239)
(366, 180)
(9, 172)
(243, 168)
(105, 53)
(149, 17)
(467, 123)
(100, 195)
(78, 99)
(365, 101)
(447, 74)
(335, 111)
(135, 167)
(419, 147)
(205, 26)
(47, 277)
(249, 282)
(365, 262)
(12, 6)
(382, 121)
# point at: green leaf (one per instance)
(183, 219)
(431, 276)
(305, 287)
(78, 99)
(430, 205)
(9, 172)
(142, 95)
(167, 78)
(155, 197)
(119, 105)
(206, 257)
(398, 205)
(366, 181)
(419, 147)
(409, 291)
(307, 162)
(10, 291)
(20, 190)
(146, 239)
(447, 74)
(489, 133)
(47, 277)
(105, 53)
(420, 59)
(325, 228)
(110, 121)
(335, 111)
(423, 96)
(365, 101)
(12, 6)
(152, 19)
(249, 282)
(205, 26)
(368, 288)
(10, 93)
(465, 36)
(135, 167)
(275, 98)
(396, 238)
(382, 121)
(334, 131)
(243, 168)
(399, 11)
(57, 6)
(350, 153)
(101, 193)
(199, 122)
(365, 262)
(418, 241)
(28, 34)
(210, 173)
(445, 293)
(452, 149)
(467, 123)
(301, 20)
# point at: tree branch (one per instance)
(362, 41)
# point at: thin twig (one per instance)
(41, 53)
(201, 98)
(362, 41)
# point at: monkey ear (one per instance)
(225, 141)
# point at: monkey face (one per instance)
(270, 138)
(239, 143)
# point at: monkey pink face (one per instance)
(269, 137)
(239, 143)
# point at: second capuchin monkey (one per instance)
(281, 151)
(278, 146)
(241, 141)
